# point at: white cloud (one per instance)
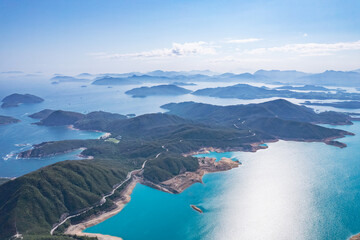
(305, 35)
(309, 49)
(245, 40)
(177, 49)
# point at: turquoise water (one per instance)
(291, 190)
(18, 137)
(216, 155)
(67, 96)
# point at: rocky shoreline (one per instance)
(174, 185)
(120, 203)
(180, 182)
(355, 237)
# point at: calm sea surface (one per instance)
(291, 190)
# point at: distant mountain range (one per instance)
(245, 91)
(334, 78)
(289, 77)
(328, 78)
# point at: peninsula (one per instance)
(152, 149)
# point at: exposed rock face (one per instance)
(182, 181)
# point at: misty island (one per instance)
(16, 99)
(8, 120)
(160, 90)
(156, 150)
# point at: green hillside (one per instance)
(33, 203)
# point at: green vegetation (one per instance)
(61, 118)
(58, 147)
(245, 91)
(33, 203)
(42, 114)
(292, 130)
(229, 115)
(168, 165)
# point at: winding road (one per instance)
(103, 199)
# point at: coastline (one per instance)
(355, 237)
(182, 181)
(174, 185)
(254, 148)
(251, 147)
(104, 136)
(78, 229)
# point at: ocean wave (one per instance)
(8, 156)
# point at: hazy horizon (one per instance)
(140, 36)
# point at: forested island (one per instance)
(16, 99)
(152, 149)
(160, 90)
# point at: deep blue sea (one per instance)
(291, 190)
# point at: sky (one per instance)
(101, 36)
